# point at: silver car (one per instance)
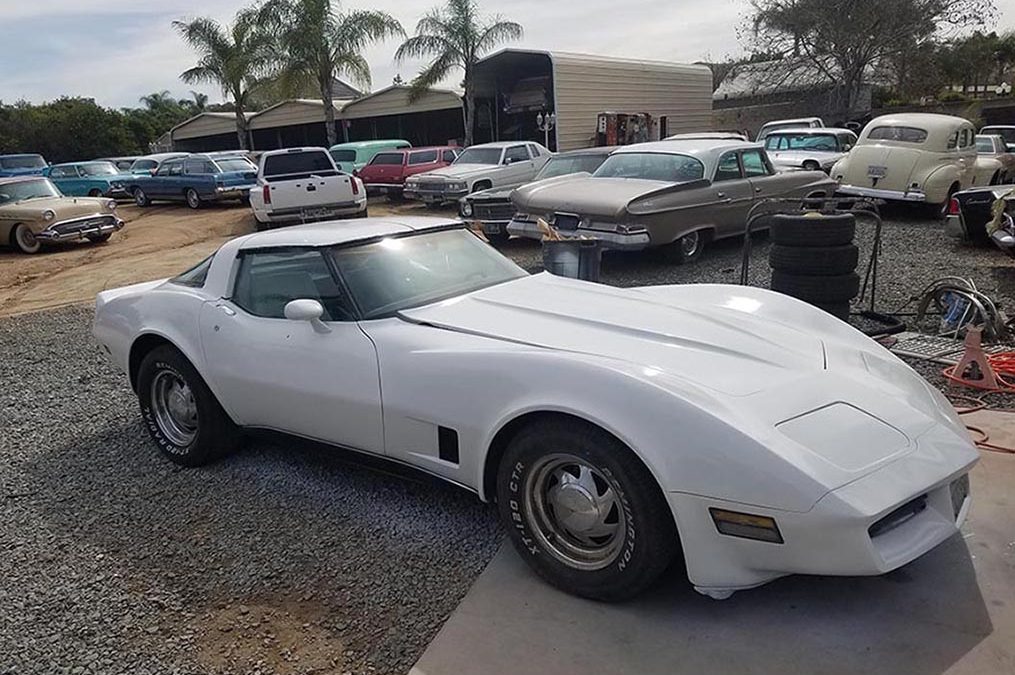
(808, 149)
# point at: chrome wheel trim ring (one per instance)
(689, 243)
(575, 512)
(174, 408)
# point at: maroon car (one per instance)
(387, 171)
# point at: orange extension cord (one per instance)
(977, 404)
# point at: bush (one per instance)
(952, 96)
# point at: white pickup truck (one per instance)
(302, 185)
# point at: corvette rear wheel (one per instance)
(573, 498)
(181, 413)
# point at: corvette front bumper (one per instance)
(871, 526)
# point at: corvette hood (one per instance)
(701, 334)
(584, 195)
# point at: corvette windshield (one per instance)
(22, 190)
(399, 273)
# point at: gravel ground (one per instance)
(286, 558)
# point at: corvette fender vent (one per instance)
(447, 444)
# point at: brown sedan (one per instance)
(677, 194)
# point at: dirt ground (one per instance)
(157, 242)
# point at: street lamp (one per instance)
(545, 123)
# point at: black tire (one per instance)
(140, 198)
(813, 229)
(24, 240)
(940, 211)
(192, 198)
(687, 249)
(633, 564)
(811, 166)
(839, 310)
(215, 434)
(99, 238)
(817, 289)
(481, 185)
(95, 193)
(497, 238)
(814, 260)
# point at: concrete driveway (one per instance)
(951, 611)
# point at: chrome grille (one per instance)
(494, 211)
(84, 224)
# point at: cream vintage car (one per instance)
(910, 157)
(33, 212)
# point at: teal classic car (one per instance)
(351, 157)
(89, 179)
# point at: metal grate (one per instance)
(493, 211)
(944, 350)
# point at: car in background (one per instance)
(1007, 132)
(195, 180)
(91, 179)
(810, 149)
(995, 163)
(739, 431)
(122, 164)
(480, 167)
(709, 136)
(22, 165)
(920, 158)
(677, 195)
(971, 210)
(33, 212)
(799, 123)
(351, 157)
(387, 171)
(302, 185)
(149, 164)
(493, 208)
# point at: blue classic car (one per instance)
(91, 179)
(21, 165)
(195, 179)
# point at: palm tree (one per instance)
(198, 101)
(235, 58)
(318, 43)
(456, 37)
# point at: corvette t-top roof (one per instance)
(342, 232)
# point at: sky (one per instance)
(116, 51)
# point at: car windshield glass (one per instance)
(898, 134)
(669, 168)
(288, 163)
(479, 156)
(27, 189)
(234, 164)
(23, 162)
(984, 145)
(99, 169)
(1007, 134)
(344, 155)
(394, 274)
(562, 166)
(807, 142)
(144, 165)
(388, 158)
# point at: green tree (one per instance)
(318, 43)
(455, 37)
(846, 41)
(234, 58)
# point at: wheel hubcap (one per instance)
(139, 197)
(575, 512)
(689, 243)
(192, 198)
(26, 238)
(174, 407)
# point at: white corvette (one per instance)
(616, 428)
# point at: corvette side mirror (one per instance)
(305, 309)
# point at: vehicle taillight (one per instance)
(267, 194)
(953, 207)
(355, 185)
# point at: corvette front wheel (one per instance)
(583, 512)
(181, 413)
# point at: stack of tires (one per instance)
(813, 258)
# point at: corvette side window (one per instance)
(269, 280)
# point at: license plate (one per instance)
(566, 221)
(877, 171)
(317, 213)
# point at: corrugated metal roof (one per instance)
(394, 100)
(294, 111)
(206, 124)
